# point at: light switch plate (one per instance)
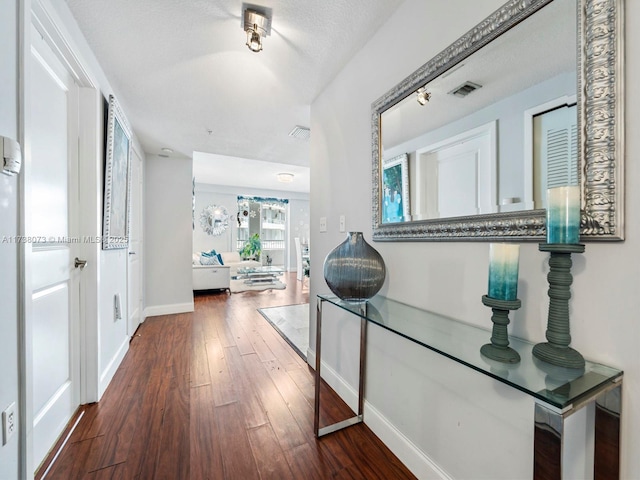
(343, 223)
(323, 224)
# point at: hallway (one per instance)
(218, 394)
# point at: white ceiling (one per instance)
(187, 81)
(233, 171)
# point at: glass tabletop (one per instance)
(266, 269)
(461, 342)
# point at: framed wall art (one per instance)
(395, 189)
(117, 178)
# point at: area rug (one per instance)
(292, 323)
(237, 286)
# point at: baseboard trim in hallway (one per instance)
(156, 310)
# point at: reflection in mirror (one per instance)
(465, 132)
(508, 110)
(395, 189)
(554, 148)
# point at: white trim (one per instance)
(42, 18)
(89, 147)
(528, 142)
(156, 310)
(110, 370)
(25, 417)
(409, 454)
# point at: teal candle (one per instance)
(503, 270)
(563, 215)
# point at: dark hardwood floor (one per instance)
(218, 394)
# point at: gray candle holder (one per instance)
(557, 351)
(499, 348)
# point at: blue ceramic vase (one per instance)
(354, 270)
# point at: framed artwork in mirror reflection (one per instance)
(395, 189)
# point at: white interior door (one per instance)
(134, 269)
(52, 222)
(458, 179)
(457, 176)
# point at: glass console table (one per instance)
(558, 392)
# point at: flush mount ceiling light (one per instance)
(423, 96)
(257, 25)
(285, 177)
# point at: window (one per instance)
(268, 218)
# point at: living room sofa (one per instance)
(216, 276)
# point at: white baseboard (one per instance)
(408, 453)
(110, 369)
(156, 310)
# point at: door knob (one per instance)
(132, 253)
(80, 263)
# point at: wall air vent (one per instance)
(465, 89)
(301, 133)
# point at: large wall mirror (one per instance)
(531, 98)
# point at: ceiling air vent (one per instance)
(465, 89)
(301, 133)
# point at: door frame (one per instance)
(41, 14)
(137, 201)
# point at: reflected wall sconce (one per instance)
(423, 96)
(257, 25)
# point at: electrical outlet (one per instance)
(323, 224)
(9, 423)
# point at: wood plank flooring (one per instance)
(218, 394)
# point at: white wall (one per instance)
(298, 227)
(466, 424)
(8, 227)
(168, 235)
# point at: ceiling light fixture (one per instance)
(285, 177)
(423, 96)
(257, 25)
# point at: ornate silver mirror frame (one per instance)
(214, 220)
(601, 134)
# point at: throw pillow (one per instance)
(207, 260)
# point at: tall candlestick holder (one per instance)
(557, 351)
(499, 348)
